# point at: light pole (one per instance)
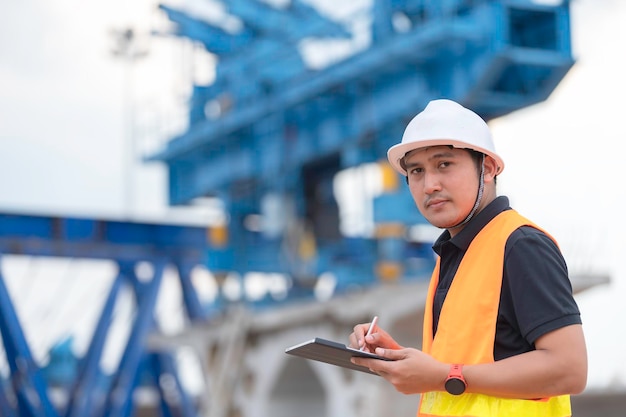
(128, 48)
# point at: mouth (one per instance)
(435, 202)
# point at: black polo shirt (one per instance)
(536, 296)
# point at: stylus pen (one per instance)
(370, 330)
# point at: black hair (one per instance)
(477, 157)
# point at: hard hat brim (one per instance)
(397, 152)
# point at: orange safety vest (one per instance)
(467, 328)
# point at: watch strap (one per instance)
(455, 382)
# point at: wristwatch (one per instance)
(455, 383)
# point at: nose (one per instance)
(431, 183)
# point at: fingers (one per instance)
(393, 354)
(357, 336)
(368, 363)
(377, 366)
(354, 343)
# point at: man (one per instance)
(502, 332)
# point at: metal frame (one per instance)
(127, 243)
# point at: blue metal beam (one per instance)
(195, 311)
(88, 391)
(290, 24)
(99, 239)
(174, 401)
(119, 401)
(417, 48)
(26, 377)
(6, 408)
(215, 39)
(363, 68)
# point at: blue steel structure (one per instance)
(269, 129)
(268, 138)
(25, 393)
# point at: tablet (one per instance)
(334, 353)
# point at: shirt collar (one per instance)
(463, 239)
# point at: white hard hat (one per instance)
(445, 122)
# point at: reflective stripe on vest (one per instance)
(437, 404)
(469, 314)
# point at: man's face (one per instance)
(443, 182)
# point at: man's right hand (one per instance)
(379, 338)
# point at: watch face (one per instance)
(455, 386)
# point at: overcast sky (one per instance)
(64, 140)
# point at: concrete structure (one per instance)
(249, 375)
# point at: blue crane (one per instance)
(279, 132)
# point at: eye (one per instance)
(444, 164)
(415, 171)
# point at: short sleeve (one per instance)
(540, 292)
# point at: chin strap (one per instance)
(479, 197)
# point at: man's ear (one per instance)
(490, 168)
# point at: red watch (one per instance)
(455, 383)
